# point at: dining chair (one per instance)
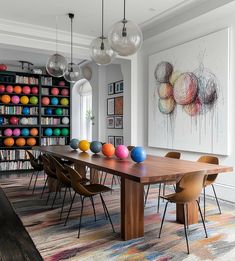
(37, 165)
(173, 155)
(87, 191)
(188, 190)
(209, 180)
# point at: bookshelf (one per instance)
(34, 110)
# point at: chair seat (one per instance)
(97, 188)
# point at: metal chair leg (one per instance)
(70, 193)
(164, 190)
(48, 197)
(217, 201)
(146, 195)
(35, 182)
(104, 210)
(101, 177)
(158, 199)
(160, 231)
(174, 187)
(93, 206)
(70, 209)
(202, 218)
(204, 201)
(185, 229)
(57, 190)
(80, 220)
(101, 197)
(62, 207)
(112, 184)
(186, 205)
(105, 177)
(30, 180)
(44, 187)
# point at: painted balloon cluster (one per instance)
(196, 91)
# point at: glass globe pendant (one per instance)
(125, 37)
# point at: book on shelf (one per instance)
(46, 80)
(53, 141)
(17, 154)
(26, 80)
(15, 165)
(50, 121)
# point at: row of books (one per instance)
(50, 121)
(15, 165)
(17, 154)
(26, 80)
(53, 141)
(65, 112)
(46, 80)
(17, 110)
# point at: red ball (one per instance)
(9, 88)
(14, 120)
(26, 90)
(34, 90)
(45, 101)
(54, 91)
(108, 149)
(65, 92)
(3, 67)
(2, 88)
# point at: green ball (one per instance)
(33, 100)
(58, 111)
(56, 132)
(65, 132)
(64, 101)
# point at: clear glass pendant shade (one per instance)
(72, 73)
(125, 37)
(56, 65)
(101, 51)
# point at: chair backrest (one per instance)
(173, 155)
(51, 172)
(130, 148)
(33, 161)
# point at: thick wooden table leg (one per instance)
(81, 169)
(132, 209)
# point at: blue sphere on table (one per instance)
(48, 111)
(95, 146)
(74, 143)
(138, 154)
(48, 132)
(25, 132)
(26, 111)
(54, 101)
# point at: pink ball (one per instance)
(9, 88)
(15, 99)
(8, 132)
(121, 152)
(26, 90)
(34, 90)
(54, 91)
(65, 92)
(2, 88)
(16, 132)
(45, 101)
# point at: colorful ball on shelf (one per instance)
(17, 89)
(25, 132)
(34, 90)
(48, 132)
(16, 132)
(9, 142)
(6, 99)
(2, 88)
(24, 121)
(121, 152)
(31, 141)
(45, 101)
(58, 111)
(138, 154)
(95, 146)
(54, 101)
(26, 90)
(65, 120)
(9, 88)
(54, 91)
(3, 67)
(61, 83)
(1, 120)
(84, 145)
(14, 120)
(15, 99)
(33, 132)
(33, 100)
(56, 132)
(24, 100)
(65, 92)
(20, 142)
(26, 111)
(74, 144)
(64, 101)
(48, 111)
(8, 132)
(65, 132)
(108, 149)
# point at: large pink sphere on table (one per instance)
(34, 90)
(8, 132)
(16, 132)
(9, 88)
(54, 91)
(45, 101)
(121, 152)
(26, 90)
(15, 99)
(65, 92)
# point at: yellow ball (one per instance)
(84, 145)
(24, 100)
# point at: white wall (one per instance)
(207, 23)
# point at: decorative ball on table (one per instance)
(14, 120)
(74, 144)
(26, 90)
(24, 121)
(26, 111)
(65, 120)
(48, 132)
(1, 120)
(65, 92)
(2, 88)
(25, 132)
(58, 111)
(54, 101)
(16, 132)
(6, 99)
(64, 101)
(45, 101)
(48, 111)
(108, 149)
(84, 145)
(20, 142)
(24, 100)
(8, 132)
(33, 100)
(95, 146)
(138, 154)
(56, 132)
(17, 89)
(54, 91)
(9, 142)
(15, 99)
(34, 90)
(33, 132)
(121, 152)
(65, 132)
(31, 141)
(9, 88)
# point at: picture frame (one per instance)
(118, 87)
(118, 140)
(110, 123)
(118, 122)
(110, 88)
(118, 105)
(110, 106)
(111, 139)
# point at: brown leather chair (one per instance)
(188, 190)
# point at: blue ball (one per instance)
(54, 101)
(74, 144)
(25, 132)
(26, 111)
(95, 146)
(1, 120)
(48, 132)
(48, 111)
(138, 154)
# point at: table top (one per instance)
(154, 169)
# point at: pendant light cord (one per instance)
(124, 21)
(56, 35)
(124, 10)
(71, 39)
(102, 29)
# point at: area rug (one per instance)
(97, 242)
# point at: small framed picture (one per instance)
(111, 140)
(110, 106)
(118, 87)
(110, 122)
(118, 122)
(118, 140)
(118, 105)
(110, 88)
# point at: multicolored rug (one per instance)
(97, 241)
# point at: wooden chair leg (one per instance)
(216, 198)
(185, 229)
(160, 231)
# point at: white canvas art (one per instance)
(188, 96)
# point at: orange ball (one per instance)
(33, 132)
(9, 142)
(20, 142)
(31, 141)
(17, 89)
(108, 149)
(6, 99)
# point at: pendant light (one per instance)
(101, 51)
(125, 37)
(56, 64)
(72, 72)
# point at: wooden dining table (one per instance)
(134, 176)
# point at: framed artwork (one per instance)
(118, 87)
(118, 105)
(110, 122)
(118, 122)
(110, 106)
(110, 88)
(111, 140)
(188, 96)
(118, 140)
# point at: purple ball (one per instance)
(16, 132)
(8, 132)
(15, 99)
